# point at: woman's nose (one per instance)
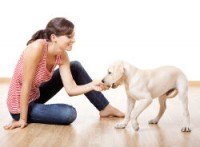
(73, 40)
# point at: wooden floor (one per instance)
(90, 130)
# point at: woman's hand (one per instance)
(16, 124)
(98, 85)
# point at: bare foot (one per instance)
(110, 111)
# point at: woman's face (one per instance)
(65, 42)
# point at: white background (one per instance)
(146, 33)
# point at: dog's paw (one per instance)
(153, 121)
(186, 129)
(135, 126)
(120, 126)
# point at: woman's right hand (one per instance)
(16, 124)
(97, 85)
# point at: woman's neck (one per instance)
(52, 51)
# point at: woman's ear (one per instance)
(53, 38)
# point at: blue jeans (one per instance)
(39, 112)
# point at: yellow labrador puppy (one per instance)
(145, 85)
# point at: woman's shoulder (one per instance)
(36, 47)
(39, 43)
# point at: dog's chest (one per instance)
(131, 95)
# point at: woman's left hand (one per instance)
(16, 124)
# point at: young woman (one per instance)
(35, 81)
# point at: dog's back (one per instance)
(164, 80)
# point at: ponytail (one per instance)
(41, 34)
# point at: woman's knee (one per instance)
(73, 115)
(69, 115)
(75, 64)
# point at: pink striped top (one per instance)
(42, 75)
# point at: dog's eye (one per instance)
(109, 72)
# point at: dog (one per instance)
(145, 85)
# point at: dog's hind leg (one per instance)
(162, 102)
(182, 86)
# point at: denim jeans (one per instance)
(39, 112)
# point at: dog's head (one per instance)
(115, 75)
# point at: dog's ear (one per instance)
(122, 67)
(124, 70)
(125, 66)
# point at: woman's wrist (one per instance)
(23, 119)
(90, 86)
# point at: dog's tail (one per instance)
(171, 93)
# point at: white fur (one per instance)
(145, 85)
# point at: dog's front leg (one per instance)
(130, 106)
(144, 103)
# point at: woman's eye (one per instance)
(69, 36)
(109, 72)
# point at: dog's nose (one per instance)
(102, 81)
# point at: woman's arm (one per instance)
(69, 84)
(32, 56)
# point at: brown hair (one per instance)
(58, 26)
